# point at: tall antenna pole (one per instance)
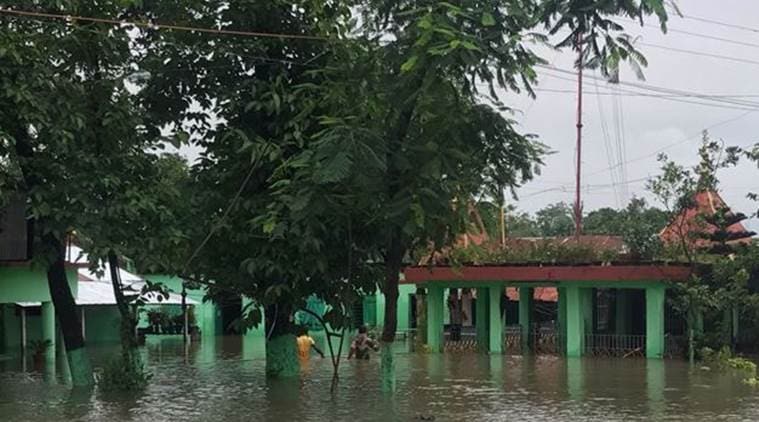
(578, 202)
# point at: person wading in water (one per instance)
(305, 344)
(361, 345)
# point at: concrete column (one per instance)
(435, 308)
(622, 312)
(495, 322)
(655, 322)
(562, 326)
(575, 327)
(525, 316)
(82, 317)
(48, 331)
(48, 323)
(481, 320)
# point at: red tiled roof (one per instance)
(705, 203)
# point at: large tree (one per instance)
(68, 123)
(415, 128)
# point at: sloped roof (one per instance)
(686, 223)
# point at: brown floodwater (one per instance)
(223, 380)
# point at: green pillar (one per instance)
(380, 309)
(622, 312)
(655, 322)
(575, 328)
(481, 319)
(562, 326)
(48, 330)
(495, 322)
(525, 316)
(435, 319)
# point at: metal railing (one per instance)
(615, 345)
(547, 341)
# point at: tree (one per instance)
(555, 220)
(408, 140)
(700, 236)
(247, 103)
(64, 111)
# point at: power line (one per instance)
(682, 141)
(700, 53)
(740, 104)
(719, 23)
(697, 34)
(642, 94)
(149, 25)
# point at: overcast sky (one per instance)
(649, 124)
(644, 124)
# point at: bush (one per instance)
(124, 374)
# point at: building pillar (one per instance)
(481, 319)
(495, 321)
(622, 312)
(655, 322)
(525, 316)
(575, 328)
(380, 308)
(48, 330)
(562, 329)
(84, 324)
(435, 308)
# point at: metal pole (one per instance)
(23, 334)
(84, 331)
(185, 333)
(578, 203)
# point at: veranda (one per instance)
(633, 325)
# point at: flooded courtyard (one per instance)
(224, 380)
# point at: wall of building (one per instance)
(101, 324)
(21, 283)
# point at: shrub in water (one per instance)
(118, 375)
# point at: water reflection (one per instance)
(222, 379)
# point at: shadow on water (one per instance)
(222, 379)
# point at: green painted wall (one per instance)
(24, 284)
(404, 307)
(206, 313)
(101, 324)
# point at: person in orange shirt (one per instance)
(305, 344)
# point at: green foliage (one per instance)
(544, 252)
(555, 220)
(119, 375)
(724, 359)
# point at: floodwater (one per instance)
(223, 380)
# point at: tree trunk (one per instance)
(281, 347)
(128, 321)
(68, 317)
(393, 262)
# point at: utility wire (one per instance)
(149, 25)
(739, 104)
(701, 53)
(720, 23)
(682, 141)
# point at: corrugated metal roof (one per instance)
(100, 293)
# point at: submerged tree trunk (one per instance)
(128, 319)
(68, 317)
(281, 347)
(393, 262)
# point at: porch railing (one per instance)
(615, 345)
